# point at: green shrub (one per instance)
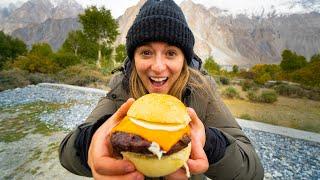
(245, 116)
(263, 78)
(81, 75)
(290, 90)
(10, 79)
(252, 96)
(247, 74)
(33, 63)
(268, 96)
(248, 85)
(231, 92)
(224, 80)
(65, 59)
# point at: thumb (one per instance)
(198, 163)
(122, 111)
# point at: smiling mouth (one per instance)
(158, 81)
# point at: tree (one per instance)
(79, 45)
(315, 58)
(235, 69)
(10, 48)
(41, 49)
(74, 41)
(100, 27)
(211, 66)
(121, 53)
(291, 61)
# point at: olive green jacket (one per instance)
(239, 162)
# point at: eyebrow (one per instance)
(148, 44)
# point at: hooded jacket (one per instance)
(239, 160)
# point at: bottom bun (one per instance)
(151, 166)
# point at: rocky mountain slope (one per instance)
(52, 31)
(43, 21)
(241, 39)
(230, 38)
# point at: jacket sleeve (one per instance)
(73, 149)
(240, 160)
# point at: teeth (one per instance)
(158, 79)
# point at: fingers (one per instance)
(180, 174)
(195, 121)
(198, 162)
(198, 166)
(110, 166)
(197, 128)
(130, 176)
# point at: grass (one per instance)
(300, 114)
(26, 120)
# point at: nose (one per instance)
(158, 65)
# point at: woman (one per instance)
(160, 59)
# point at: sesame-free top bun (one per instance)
(159, 108)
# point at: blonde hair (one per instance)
(189, 76)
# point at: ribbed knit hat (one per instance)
(161, 20)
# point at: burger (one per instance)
(155, 135)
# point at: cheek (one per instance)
(141, 67)
(176, 68)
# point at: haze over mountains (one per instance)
(230, 39)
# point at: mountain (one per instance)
(52, 31)
(242, 39)
(247, 38)
(35, 12)
(43, 21)
(66, 9)
(6, 11)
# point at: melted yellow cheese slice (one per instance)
(166, 139)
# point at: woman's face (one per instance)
(158, 65)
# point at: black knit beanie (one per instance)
(161, 20)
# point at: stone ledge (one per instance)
(294, 133)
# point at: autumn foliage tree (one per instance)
(211, 66)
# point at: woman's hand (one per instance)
(198, 162)
(100, 160)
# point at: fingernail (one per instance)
(129, 168)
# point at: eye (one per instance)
(146, 53)
(171, 53)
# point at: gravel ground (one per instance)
(282, 157)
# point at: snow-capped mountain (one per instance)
(263, 8)
(242, 39)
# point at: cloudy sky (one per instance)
(233, 6)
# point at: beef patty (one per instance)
(122, 141)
